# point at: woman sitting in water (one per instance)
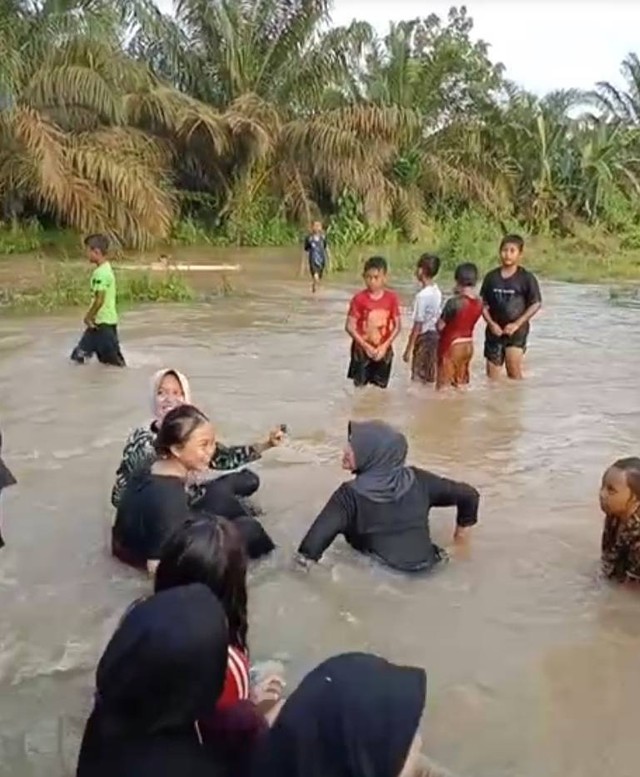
(620, 502)
(170, 388)
(156, 678)
(384, 511)
(155, 502)
(355, 715)
(210, 551)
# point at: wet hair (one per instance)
(210, 550)
(512, 240)
(376, 263)
(176, 428)
(466, 274)
(631, 469)
(429, 264)
(97, 242)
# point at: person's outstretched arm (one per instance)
(226, 457)
(333, 520)
(444, 492)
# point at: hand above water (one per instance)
(495, 329)
(267, 693)
(276, 437)
(511, 329)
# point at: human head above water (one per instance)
(375, 273)
(316, 227)
(427, 267)
(186, 436)
(210, 551)
(511, 248)
(466, 275)
(97, 247)
(620, 489)
(169, 388)
(373, 443)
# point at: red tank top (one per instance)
(462, 325)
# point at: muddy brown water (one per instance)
(533, 662)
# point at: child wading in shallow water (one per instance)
(422, 346)
(315, 246)
(457, 322)
(373, 323)
(620, 502)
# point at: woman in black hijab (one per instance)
(6, 480)
(355, 715)
(162, 670)
(384, 510)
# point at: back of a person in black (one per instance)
(511, 298)
(384, 511)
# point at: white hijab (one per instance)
(157, 379)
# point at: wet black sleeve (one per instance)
(333, 520)
(170, 511)
(443, 492)
(532, 293)
(307, 245)
(450, 309)
(485, 288)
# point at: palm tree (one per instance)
(624, 106)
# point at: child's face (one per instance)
(510, 255)
(375, 280)
(195, 455)
(168, 395)
(95, 256)
(616, 498)
(316, 227)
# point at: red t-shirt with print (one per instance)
(375, 318)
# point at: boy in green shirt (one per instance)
(101, 334)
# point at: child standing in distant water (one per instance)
(457, 322)
(620, 502)
(6, 480)
(373, 323)
(511, 297)
(422, 345)
(315, 245)
(101, 335)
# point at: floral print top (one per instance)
(139, 454)
(621, 548)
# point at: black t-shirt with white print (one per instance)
(508, 298)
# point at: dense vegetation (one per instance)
(250, 117)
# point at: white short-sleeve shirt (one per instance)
(427, 307)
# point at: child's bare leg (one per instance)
(315, 280)
(494, 371)
(514, 360)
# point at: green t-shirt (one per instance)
(103, 279)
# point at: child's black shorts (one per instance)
(316, 268)
(495, 346)
(363, 370)
(101, 341)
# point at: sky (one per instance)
(544, 45)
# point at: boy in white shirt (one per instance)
(422, 346)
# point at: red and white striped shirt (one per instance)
(237, 681)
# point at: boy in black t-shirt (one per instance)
(511, 297)
(315, 246)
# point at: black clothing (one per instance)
(151, 509)
(508, 298)
(316, 248)
(380, 454)
(397, 533)
(495, 347)
(363, 370)
(101, 340)
(163, 669)
(6, 479)
(355, 715)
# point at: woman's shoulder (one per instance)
(140, 434)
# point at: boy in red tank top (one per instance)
(373, 323)
(457, 322)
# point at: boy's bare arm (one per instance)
(98, 302)
(528, 314)
(351, 328)
(413, 336)
(495, 328)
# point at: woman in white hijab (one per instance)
(170, 388)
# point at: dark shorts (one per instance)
(495, 347)
(363, 370)
(316, 268)
(425, 358)
(100, 341)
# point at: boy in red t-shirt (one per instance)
(373, 323)
(457, 321)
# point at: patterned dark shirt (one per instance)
(139, 454)
(621, 548)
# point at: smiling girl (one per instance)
(620, 502)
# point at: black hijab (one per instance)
(163, 669)
(355, 715)
(6, 479)
(381, 454)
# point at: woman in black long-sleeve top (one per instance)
(384, 511)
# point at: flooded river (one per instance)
(533, 663)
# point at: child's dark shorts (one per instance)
(363, 370)
(101, 341)
(495, 347)
(424, 362)
(316, 268)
